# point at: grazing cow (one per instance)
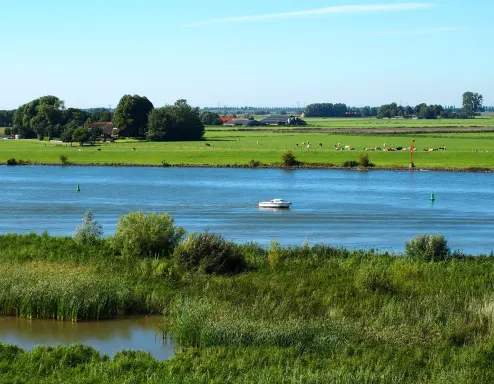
(320, 144)
(207, 145)
(133, 148)
(348, 148)
(99, 149)
(308, 147)
(442, 148)
(296, 144)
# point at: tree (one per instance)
(177, 122)
(67, 135)
(131, 115)
(146, 235)
(472, 103)
(81, 135)
(325, 110)
(39, 117)
(90, 231)
(365, 112)
(208, 118)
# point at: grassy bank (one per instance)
(300, 314)
(239, 148)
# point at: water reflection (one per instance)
(109, 337)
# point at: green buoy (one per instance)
(78, 189)
(432, 196)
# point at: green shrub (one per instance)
(147, 235)
(288, 159)
(12, 161)
(7, 131)
(351, 164)
(64, 159)
(209, 253)
(428, 247)
(254, 163)
(364, 161)
(165, 163)
(90, 231)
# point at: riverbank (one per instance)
(460, 151)
(272, 166)
(290, 314)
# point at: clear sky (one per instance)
(256, 52)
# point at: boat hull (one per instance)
(268, 204)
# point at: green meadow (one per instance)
(238, 148)
(486, 120)
(306, 314)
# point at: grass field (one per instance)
(237, 148)
(307, 314)
(484, 121)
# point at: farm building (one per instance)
(107, 128)
(283, 120)
(236, 122)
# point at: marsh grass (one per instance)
(323, 314)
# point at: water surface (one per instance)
(356, 209)
(109, 337)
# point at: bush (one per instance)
(12, 161)
(64, 160)
(165, 164)
(364, 160)
(7, 131)
(209, 253)
(254, 163)
(351, 164)
(428, 247)
(152, 235)
(90, 231)
(288, 159)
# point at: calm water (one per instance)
(379, 209)
(109, 337)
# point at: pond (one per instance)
(356, 209)
(109, 337)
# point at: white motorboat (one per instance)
(275, 203)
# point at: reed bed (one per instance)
(311, 314)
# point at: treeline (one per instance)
(48, 117)
(6, 118)
(135, 116)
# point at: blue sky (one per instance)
(256, 52)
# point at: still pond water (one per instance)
(356, 209)
(109, 337)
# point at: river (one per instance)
(356, 209)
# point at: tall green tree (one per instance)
(81, 135)
(39, 117)
(472, 103)
(177, 122)
(131, 115)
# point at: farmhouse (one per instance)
(283, 120)
(107, 128)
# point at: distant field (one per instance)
(2, 129)
(237, 148)
(372, 122)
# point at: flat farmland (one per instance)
(238, 148)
